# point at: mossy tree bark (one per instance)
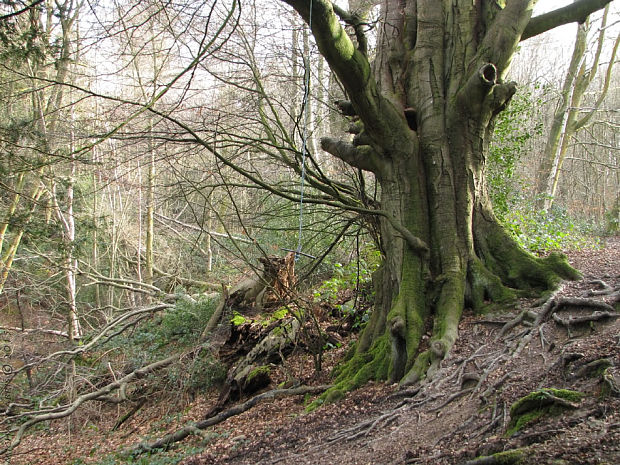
(427, 104)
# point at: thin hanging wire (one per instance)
(306, 110)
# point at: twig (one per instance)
(451, 398)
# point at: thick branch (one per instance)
(355, 21)
(335, 45)
(363, 157)
(575, 12)
(379, 114)
(502, 38)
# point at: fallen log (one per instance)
(196, 427)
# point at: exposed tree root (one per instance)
(582, 302)
(509, 457)
(604, 289)
(453, 397)
(575, 321)
(197, 427)
(481, 364)
(364, 428)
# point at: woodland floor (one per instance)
(445, 422)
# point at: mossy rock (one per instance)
(540, 403)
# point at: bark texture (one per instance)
(427, 104)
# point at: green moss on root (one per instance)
(537, 404)
(484, 287)
(334, 396)
(373, 364)
(508, 457)
(518, 268)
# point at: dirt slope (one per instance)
(444, 423)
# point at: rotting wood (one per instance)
(245, 358)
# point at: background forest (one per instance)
(152, 152)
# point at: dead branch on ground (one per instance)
(103, 393)
(197, 427)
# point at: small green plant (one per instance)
(152, 458)
(279, 314)
(238, 319)
(353, 275)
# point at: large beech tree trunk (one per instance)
(426, 107)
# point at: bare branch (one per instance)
(23, 10)
(575, 12)
(95, 395)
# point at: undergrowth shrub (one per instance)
(177, 329)
(356, 276)
(515, 130)
(183, 324)
(196, 372)
(540, 231)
